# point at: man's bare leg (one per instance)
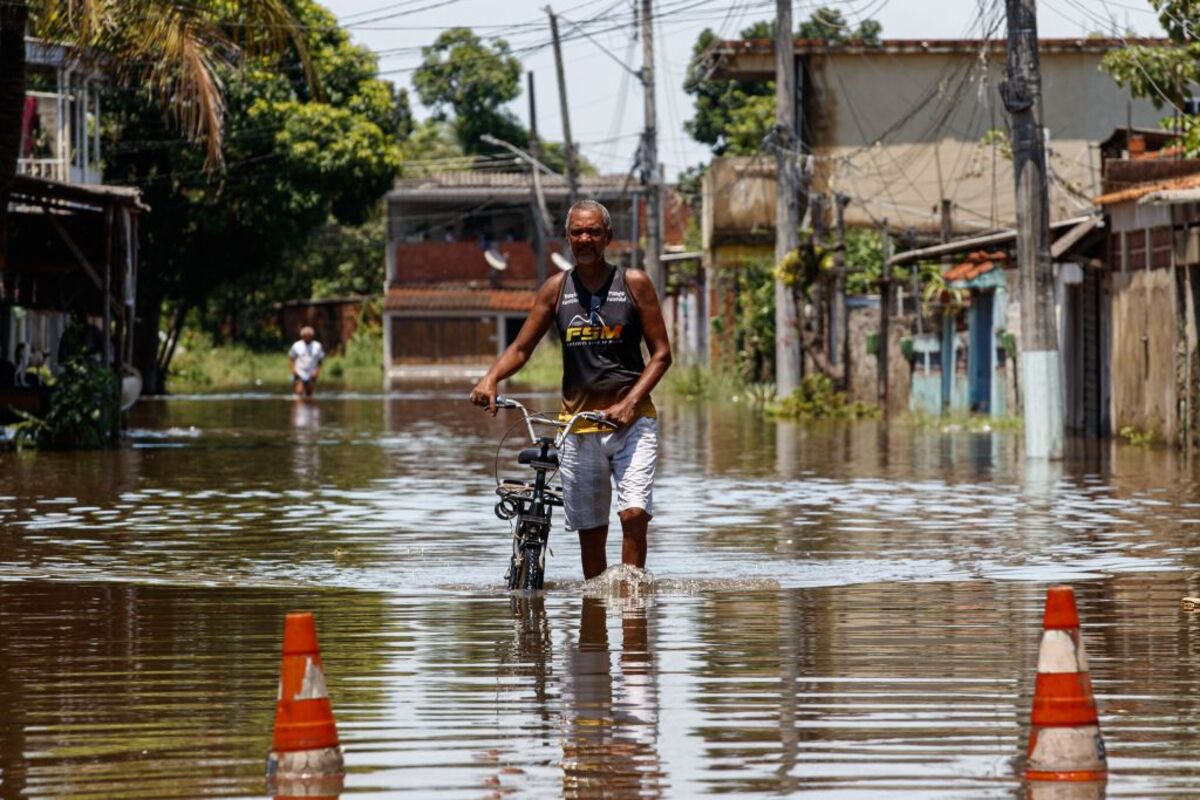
(592, 542)
(634, 523)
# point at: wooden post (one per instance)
(885, 313)
(568, 143)
(840, 326)
(1041, 362)
(787, 206)
(634, 261)
(651, 176)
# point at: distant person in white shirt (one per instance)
(306, 356)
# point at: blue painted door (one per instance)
(980, 357)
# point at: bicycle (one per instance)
(530, 505)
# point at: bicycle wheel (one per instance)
(532, 576)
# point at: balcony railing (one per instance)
(53, 169)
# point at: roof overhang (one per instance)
(1170, 197)
(88, 197)
(1004, 237)
(754, 59)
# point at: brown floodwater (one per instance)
(840, 610)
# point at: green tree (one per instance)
(829, 25)
(218, 242)
(733, 116)
(1162, 75)
(463, 74)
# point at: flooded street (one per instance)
(842, 610)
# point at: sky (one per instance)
(606, 101)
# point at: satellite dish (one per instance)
(495, 259)
(561, 262)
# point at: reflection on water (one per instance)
(845, 611)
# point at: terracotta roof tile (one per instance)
(977, 263)
(458, 298)
(1143, 189)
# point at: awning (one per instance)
(987, 240)
(1170, 197)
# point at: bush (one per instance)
(816, 398)
(84, 410)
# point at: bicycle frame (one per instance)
(531, 505)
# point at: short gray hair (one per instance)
(590, 205)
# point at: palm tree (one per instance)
(174, 48)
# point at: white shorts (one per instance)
(589, 462)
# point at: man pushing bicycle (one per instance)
(602, 314)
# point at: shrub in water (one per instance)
(817, 398)
(84, 410)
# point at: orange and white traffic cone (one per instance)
(1065, 744)
(305, 745)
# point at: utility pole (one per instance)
(885, 313)
(1041, 362)
(535, 150)
(651, 177)
(568, 142)
(787, 205)
(839, 329)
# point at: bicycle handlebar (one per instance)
(589, 416)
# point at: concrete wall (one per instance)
(899, 164)
(1145, 335)
(738, 201)
(863, 386)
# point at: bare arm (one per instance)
(516, 354)
(654, 329)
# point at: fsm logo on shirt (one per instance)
(582, 334)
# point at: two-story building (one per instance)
(71, 248)
(914, 134)
(466, 254)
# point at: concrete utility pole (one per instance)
(651, 177)
(787, 203)
(1041, 362)
(568, 142)
(535, 150)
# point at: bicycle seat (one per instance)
(533, 454)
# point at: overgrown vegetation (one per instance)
(84, 410)
(1138, 438)
(200, 366)
(817, 398)
(964, 423)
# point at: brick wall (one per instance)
(463, 262)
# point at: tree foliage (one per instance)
(219, 241)
(1162, 75)
(733, 116)
(465, 75)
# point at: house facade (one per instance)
(71, 248)
(1152, 284)
(914, 131)
(466, 254)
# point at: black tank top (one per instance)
(601, 336)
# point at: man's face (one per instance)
(306, 335)
(587, 236)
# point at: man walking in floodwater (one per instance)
(602, 314)
(306, 356)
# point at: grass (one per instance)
(543, 370)
(964, 423)
(200, 366)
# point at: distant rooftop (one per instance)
(506, 185)
(751, 58)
